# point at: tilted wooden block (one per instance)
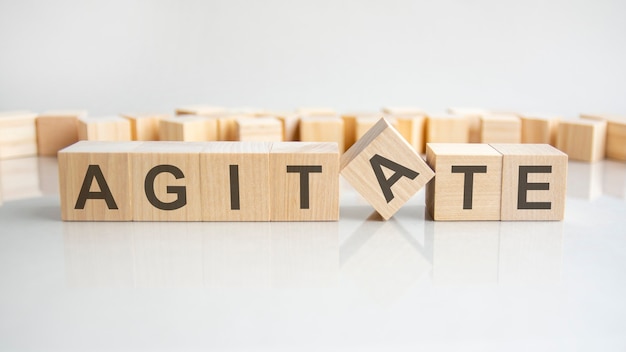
(57, 130)
(365, 123)
(235, 181)
(350, 125)
(539, 128)
(145, 126)
(166, 176)
(385, 169)
(109, 128)
(188, 128)
(447, 129)
(615, 134)
(95, 181)
(17, 134)
(199, 110)
(412, 129)
(304, 181)
(473, 116)
(468, 182)
(322, 129)
(264, 129)
(582, 139)
(534, 179)
(500, 128)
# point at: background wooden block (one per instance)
(227, 126)
(539, 128)
(99, 168)
(264, 129)
(468, 182)
(18, 137)
(403, 110)
(316, 111)
(188, 128)
(412, 129)
(582, 139)
(615, 134)
(365, 123)
(199, 110)
(109, 128)
(534, 180)
(175, 194)
(349, 125)
(447, 129)
(57, 130)
(291, 124)
(235, 181)
(368, 164)
(473, 116)
(304, 181)
(500, 128)
(322, 129)
(19, 178)
(145, 126)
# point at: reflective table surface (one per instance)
(357, 284)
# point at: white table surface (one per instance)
(357, 284)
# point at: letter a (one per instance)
(385, 184)
(94, 172)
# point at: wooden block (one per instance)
(17, 134)
(57, 130)
(235, 181)
(539, 128)
(261, 129)
(385, 169)
(582, 139)
(199, 110)
(188, 128)
(534, 178)
(291, 124)
(304, 181)
(322, 129)
(227, 126)
(412, 129)
(109, 128)
(365, 123)
(473, 116)
(95, 182)
(403, 110)
(166, 176)
(316, 111)
(500, 129)
(349, 126)
(145, 126)
(615, 134)
(447, 129)
(19, 178)
(468, 181)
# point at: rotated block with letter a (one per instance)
(385, 169)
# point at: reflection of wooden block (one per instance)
(188, 128)
(316, 111)
(199, 110)
(95, 181)
(266, 129)
(304, 181)
(534, 178)
(110, 128)
(615, 134)
(166, 179)
(235, 181)
(144, 127)
(57, 130)
(403, 110)
(447, 129)
(539, 128)
(473, 116)
(468, 182)
(349, 126)
(322, 129)
(500, 129)
(17, 134)
(19, 178)
(582, 139)
(385, 169)
(412, 129)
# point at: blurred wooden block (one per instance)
(188, 128)
(199, 110)
(166, 179)
(109, 128)
(145, 126)
(403, 110)
(95, 182)
(57, 130)
(534, 179)
(304, 181)
(539, 128)
(615, 134)
(227, 126)
(447, 129)
(19, 178)
(582, 139)
(349, 126)
(18, 137)
(468, 182)
(473, 116)
(262, 129)
(412, 129)
(235, 181)
(316, 111)
(500, 129)
(365, 123)
(322, 129)
(291, 125)
(385, 169)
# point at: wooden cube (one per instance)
(188, 128)
(95, 182)
(534, 179)
(539, 128)
(365, 123)
(109, 128)
(412, 129)
(582, 139)
(291, 125)
(316, 111)
(499, 128)
(349, 125)
(615, 134)
(19, 178)
(385, 169)
(18, 137)
(468, 182)
(403, 110)
(322, 129)
(145, 126)
(261, 129)
(57, 130)
(304, 181)
(447, 129)
(227, 126)
(235, 181)
(200, 110)
(473, 116)
(166, 181)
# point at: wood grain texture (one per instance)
(57, 130)
(260, 129)
(106, 128)
(539, 128)
(500, 128)
(615, 146)
(412, 128)
(447, 129)
(188, 128)
(322, 129)
(144, 126)
(582, 139)
(349, 125)
(473, 116)
(18, 137)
